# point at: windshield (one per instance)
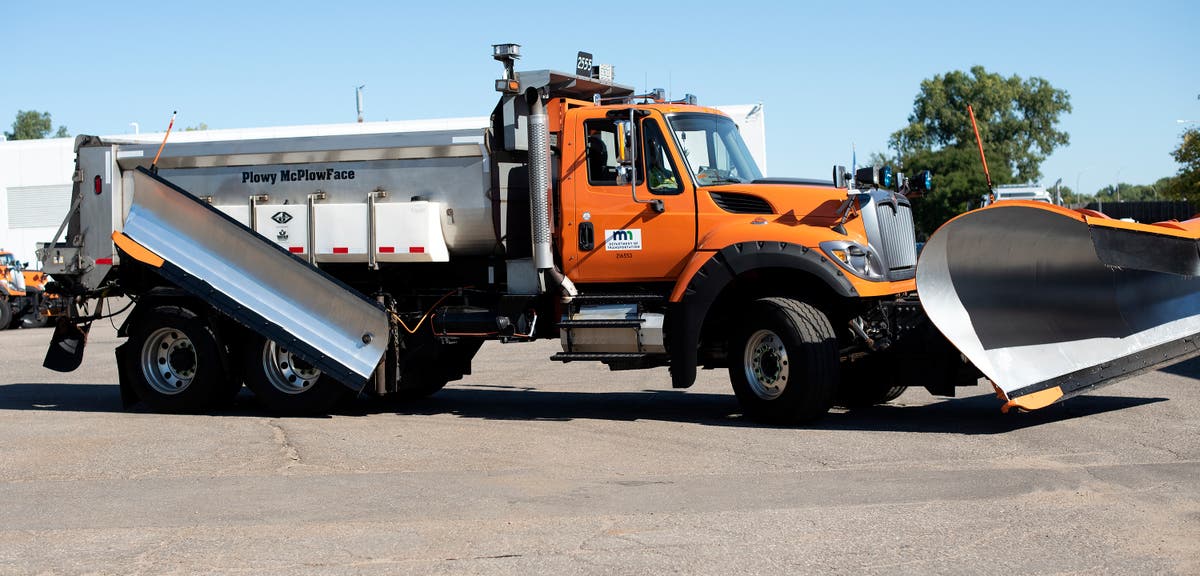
(7, 260)
(713, 149)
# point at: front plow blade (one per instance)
(1049, 303)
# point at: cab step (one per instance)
(601, 323)
(605, 298)
(597, 356)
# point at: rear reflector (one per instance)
(416, 249)
(387, 249)
(104, 261)
(296, 249)
(97, 186)
(341, 250)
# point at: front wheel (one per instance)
(174, 361)
(784, 362)
(285, 383)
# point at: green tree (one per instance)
(33, 125)
(1186, 183)
(1018, 120)
(199, 127)
(1128, 193)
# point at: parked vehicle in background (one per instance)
(23, 298)
(1029, 192)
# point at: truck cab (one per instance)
(657, 199)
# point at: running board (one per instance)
(597, 356)
(252, 280)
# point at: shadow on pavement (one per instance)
(978, 414)
(971, 415)
(1187, 368)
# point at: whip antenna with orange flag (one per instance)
(154, 164)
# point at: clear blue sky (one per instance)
(829, 73)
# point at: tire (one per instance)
(428, 368)
(174, 361)
(35, 320)
(285, 384)
(868, 382)
(784, 362)
(6, 313)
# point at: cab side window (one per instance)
(601, 152)
(659, 167)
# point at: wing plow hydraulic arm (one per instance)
(252, 280)
(1049, 303)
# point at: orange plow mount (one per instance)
(1049, 303)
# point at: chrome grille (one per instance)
(897, 235)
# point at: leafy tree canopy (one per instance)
(1186, 184)
(33, 125)
(1018, 122)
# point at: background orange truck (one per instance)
(23, 298)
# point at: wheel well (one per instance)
(228, 330)
(762, 283)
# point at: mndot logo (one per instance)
(623, 239)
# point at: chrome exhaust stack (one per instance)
(539, 200)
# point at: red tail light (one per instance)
(98, 185)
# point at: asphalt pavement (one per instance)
(533, 467)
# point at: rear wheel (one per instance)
(36, 318)
(284, 383)
(174, 361)
(868, 382)
(784, 362)
(428, 368)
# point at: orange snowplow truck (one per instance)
(23, 298)
(635, 230)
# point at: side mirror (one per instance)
(624, 140)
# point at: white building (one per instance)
(35, 175)
(35, 192)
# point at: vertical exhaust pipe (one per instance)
(539, 199)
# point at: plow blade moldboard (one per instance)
(1049, 303)
(252, 280)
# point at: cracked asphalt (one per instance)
(531, 467)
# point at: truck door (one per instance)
(610, 238)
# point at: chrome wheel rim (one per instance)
(287, 373)
(169, 361)
(765, 362)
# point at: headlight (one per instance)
(855, 258)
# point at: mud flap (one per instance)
(129, 396)
(65, 353)
(1049, 303)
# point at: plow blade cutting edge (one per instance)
(1049, 303)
